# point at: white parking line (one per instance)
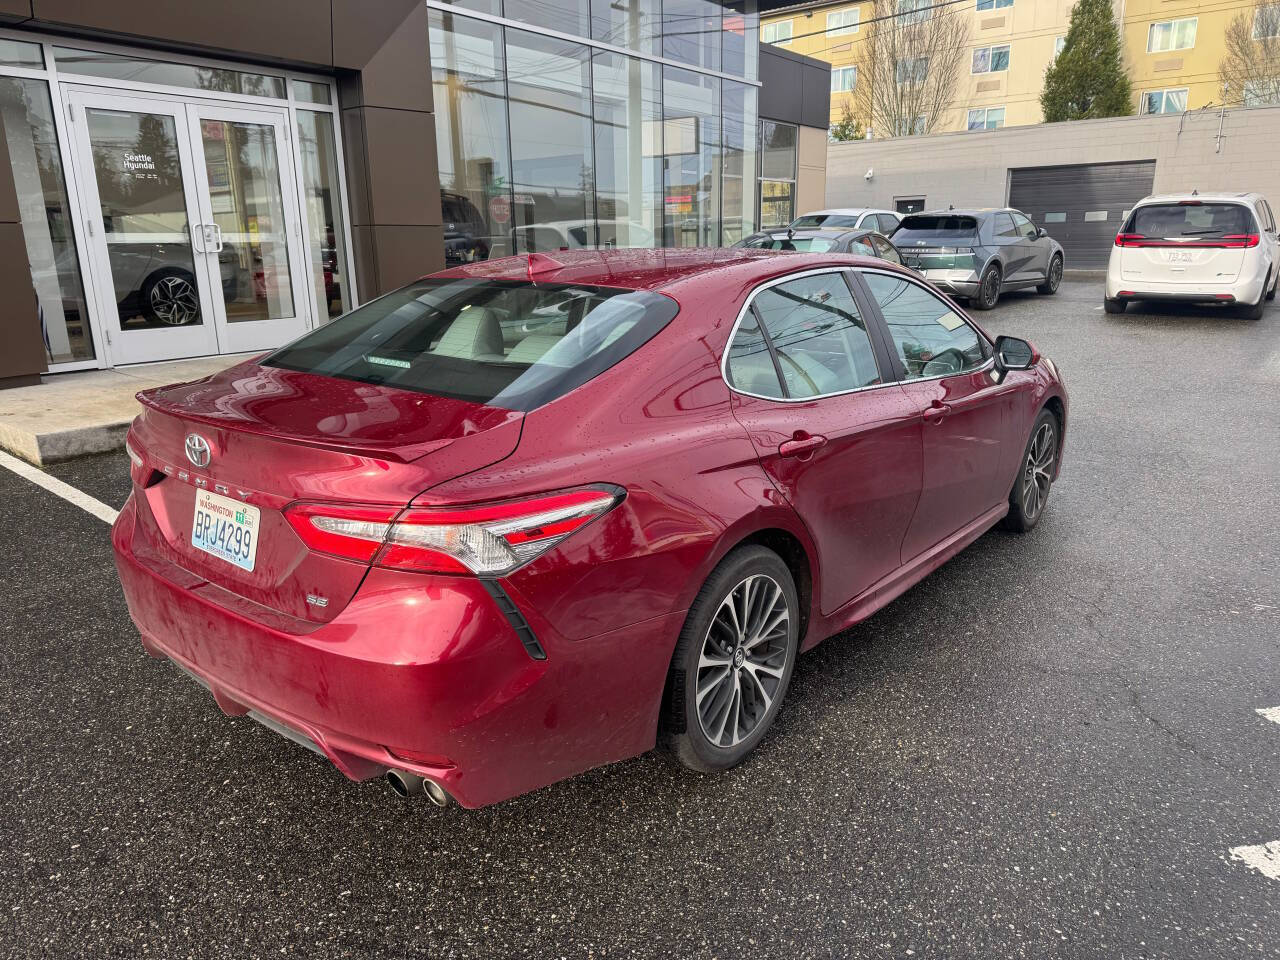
(1265, 858)
(1270, 713)
(58, 488)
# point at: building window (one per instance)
(991, 59)
(738, 204)
(843, 79)
(986, 118)
(914, 11)
(911, 71)
(1165, 101)
(1262, 93)
(26, 112)
(1058, 44)
(628, 167)
(909, 127)
(842, 22)
(322, 198)
(994, 4)
(1172, 35)
(1266, 21)
(778, 32)
(778, 146)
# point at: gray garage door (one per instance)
(1082, 207)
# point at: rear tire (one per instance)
(1053, 277)
(733, 661)
(1271, 294)
(1030, 493)
(988, 289)
(1113, 306)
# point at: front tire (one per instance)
(1053, 278)
(1030, 493)
(988, 289)
(733, 661)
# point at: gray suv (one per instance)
(979, 254)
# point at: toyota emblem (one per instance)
(198, 450)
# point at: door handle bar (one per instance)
(936, 411)
(799, 446)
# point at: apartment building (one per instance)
(1172, 51)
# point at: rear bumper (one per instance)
(1244, 289)
(420, 673)
(958, 283)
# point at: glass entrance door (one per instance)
(192, 224)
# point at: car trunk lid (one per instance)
(278, 436)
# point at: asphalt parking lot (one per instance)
(1049, 748)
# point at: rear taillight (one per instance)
(489, 539)
(1240, 240)
(1232, 241)
(1129, 239)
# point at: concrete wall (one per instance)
(972, 169)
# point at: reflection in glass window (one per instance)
(777, 203)
(633, 25)
(778, 145)
(691, 32)
(740, 131)
(931, 339)
(566, 16)
(305, 91)
(19, 53)
(549, 90)
(118, 66)
(986, 118)
(27, 116)
(326, 241)
(740, 41)
(471, 137)
(628, 142)
(821, 343)
(1165, 101)
(692, 157)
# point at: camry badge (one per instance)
(198, 451)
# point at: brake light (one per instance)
(486, 539)
(1129, 239)
(1240, 240)
(1232, 241)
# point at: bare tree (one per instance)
(911, 66)
(1250, 71)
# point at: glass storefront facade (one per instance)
(169, 198)
(594, 123)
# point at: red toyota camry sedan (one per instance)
(525, 517)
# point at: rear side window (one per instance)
(888, 223)
(1191, 220)
(750, 367)
(819, 339)
(510, 344)
(811, 220)
(886, 250)
(931, 339)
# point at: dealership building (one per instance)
(182, 179)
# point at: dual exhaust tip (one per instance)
(408, 784)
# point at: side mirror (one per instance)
(1014, 354)
(1040, 233)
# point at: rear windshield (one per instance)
(1190, 220)
(510, 344)
(926, 225)
(799, 244)
(811, 220)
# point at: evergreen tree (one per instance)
(1088, 78)
(847, 127)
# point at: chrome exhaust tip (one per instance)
(404, 783)
(436, 793)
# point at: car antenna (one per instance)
(1195, 193)
(951, 206)
(540, 264)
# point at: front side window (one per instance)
(1003, 225)
(842, 22)
(1026, 228)
(844, 79)
(991, 59)
(1172, 35)
(778, 32)
(819, 338)
(509, 344)
(930, 338)
(1164, 101)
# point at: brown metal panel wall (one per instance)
(382, 57)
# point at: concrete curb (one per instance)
(41, 449)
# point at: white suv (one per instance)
(1199, 248)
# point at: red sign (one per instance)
(500, 208)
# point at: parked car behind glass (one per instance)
(979, 254)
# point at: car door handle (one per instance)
(800, 446)
(936, 411)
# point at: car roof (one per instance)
(657, 269)
(1202, 197)
(964, 212)
(845, 211)
(809, 232)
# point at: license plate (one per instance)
(1179, 256)
(226, 528)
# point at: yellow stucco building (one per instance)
(1172, 49)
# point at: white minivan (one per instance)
(1198, 248)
